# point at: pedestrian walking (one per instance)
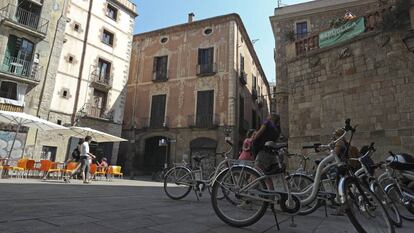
(85, 159)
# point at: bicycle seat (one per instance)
(199, 158)
(274, 145)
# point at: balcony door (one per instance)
(104, 70)
(28, 13)
(18, 56)
(205, 60)
(157, 111)
(205, 109)
(98, 104)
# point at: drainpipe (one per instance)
(82, 61)
(50, 56)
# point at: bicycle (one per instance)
(182, 178)
(367, 177)
(398, 191)
(247, 185)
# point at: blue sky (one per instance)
(156, 14)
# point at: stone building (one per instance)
(91, 78)
(189, 83)
(31, 38)
(367, 78)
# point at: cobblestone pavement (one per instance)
(130, 206)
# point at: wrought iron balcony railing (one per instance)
(24, 18)
(206, 121)
(160, 76)
(206, 69)
(101, 81)
(21, 68)
(154, 123)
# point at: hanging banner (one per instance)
(345, 32)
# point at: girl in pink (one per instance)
(246, 153)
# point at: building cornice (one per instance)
(206, 22)
(314, 9)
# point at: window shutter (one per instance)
(154, 65)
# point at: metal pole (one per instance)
(14, 140)
(166, 155)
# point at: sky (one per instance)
(156, 14)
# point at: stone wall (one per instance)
(368, 79)
(318, 20)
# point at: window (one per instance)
(164, 40)
(208, 31)
(158, 111)
(18, 56)
(76, 27)
(301, 29)
(59, 122)
(104, 69)
(111, 12)
(241, 64)
(205, 108)
(108, 38)
(70, 59)
(8, 90)
(160, 68)
(205, 61)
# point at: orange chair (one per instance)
(70, 168)
(29, 166)
(101, 172)
(19, 169)
(92, 170)
(54, 170)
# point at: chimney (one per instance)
(190, 17)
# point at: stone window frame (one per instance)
(116, 19)
(113, 36)
(302, 21)
(62, 91)
(208, 34)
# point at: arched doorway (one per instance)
(155, 155)
(205, 146)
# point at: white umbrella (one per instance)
(23, 119)
(97, 136)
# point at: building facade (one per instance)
(189, 84)
(31, 39)
(93, 68)
(366, 78)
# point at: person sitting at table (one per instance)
(103, 163)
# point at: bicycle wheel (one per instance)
(405, 206)
(298, 183)
(388, 203)
(177, 183)
(238, 209)
(365, 210)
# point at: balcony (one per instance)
(309, 43)
(20, 70)
(10, 108)
(160, 76)
(101, 81)
(206, 69)
(24, 20)
(154, 123)
(98, 112)
(204, 121)
(243, 78)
